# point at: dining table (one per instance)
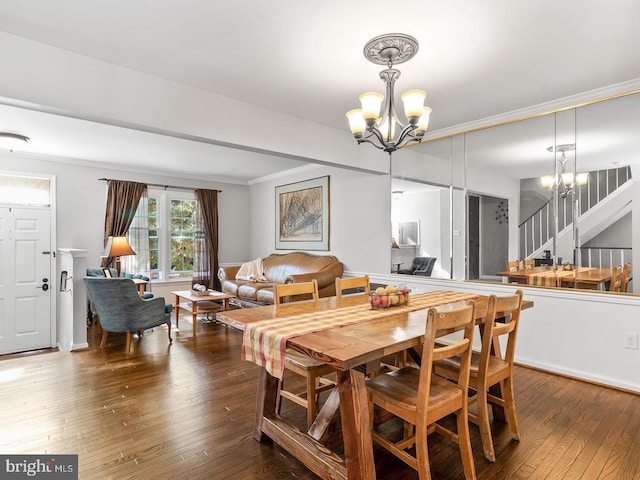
(348, 334)
(552, 276)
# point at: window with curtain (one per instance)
(165, 226)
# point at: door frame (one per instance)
(53, 258)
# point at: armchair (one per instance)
(120, 308)
(420, 266)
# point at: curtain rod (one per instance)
(160, 185)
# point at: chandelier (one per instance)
(376, 121)
(564, 183)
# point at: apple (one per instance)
(384, 301)
(380, 291)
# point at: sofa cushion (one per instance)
(251, 289)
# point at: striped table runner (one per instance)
(264, 342)
(554, 278)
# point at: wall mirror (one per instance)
(493, 206)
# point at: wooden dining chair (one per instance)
(422, 399)
(513, 266)
(626, 276)
(616, 279)
(298, 363)
(528, 263)
(490, 368)
(360, 284)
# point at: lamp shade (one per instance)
(371, 103)
(356, 121)
(423, 121)
(413, 101)
(117, 246)
(548, 181)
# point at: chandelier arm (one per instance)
(368, 140)
(375, 131)
(407, 132)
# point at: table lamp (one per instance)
(117, 247)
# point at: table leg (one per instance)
(356, 432)
(194, 315)
(265, 401)
(177, 309)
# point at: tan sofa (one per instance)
(282, 268)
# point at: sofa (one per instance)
(282, 268)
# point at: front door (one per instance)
(25, 278)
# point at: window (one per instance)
(169, 223)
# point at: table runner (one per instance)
(264, 342)
(554, 278)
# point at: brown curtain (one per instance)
(122, 202)
(205, 263)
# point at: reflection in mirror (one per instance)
(494, 207)
(417, 234)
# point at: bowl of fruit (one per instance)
(389, 296)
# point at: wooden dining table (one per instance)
(354, 349)
(580, 277)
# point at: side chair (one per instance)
(120, 308)
(348, 285)
(490, 368)
(626, 276)
(300, 364)
(422, 399)
(616, 279)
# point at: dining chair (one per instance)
(421, 399)
(298, 363)
(361, 286)
(528, 263)
(490, 368)
(513, 266)
(626, 276)
(616, 279)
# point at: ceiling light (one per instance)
(376, 121)
(11, 141)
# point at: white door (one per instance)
(25, 278)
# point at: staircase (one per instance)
(604, 200)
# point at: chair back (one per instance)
(503, 318)
(283, 292)
(513, 266)
(360, 283)
(626, 275)
(438, 322)
(616, 279)
(528, 263)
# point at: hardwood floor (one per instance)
(186, 412)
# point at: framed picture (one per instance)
(302, 215)
(107, 272)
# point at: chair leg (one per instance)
(311, 398)
(128, 348)
(169, 330)
(510, 407)
(464, 443)
(422, 454)
(483, 423)
(103, 342)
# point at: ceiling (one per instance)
(303, 58)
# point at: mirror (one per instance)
(498, 210)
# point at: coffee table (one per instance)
(200, 303)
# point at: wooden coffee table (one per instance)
(196, 304)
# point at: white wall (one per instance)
(360, 224)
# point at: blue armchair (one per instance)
(120, 308)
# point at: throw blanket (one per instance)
(252, 271)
